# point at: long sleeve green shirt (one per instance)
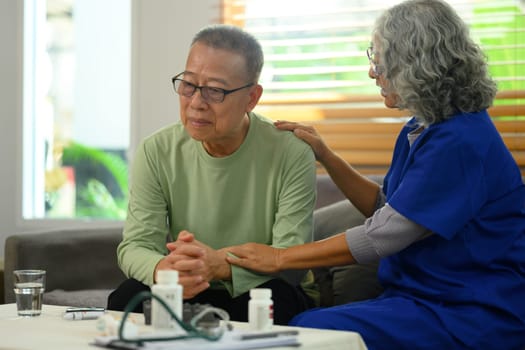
(264, 192)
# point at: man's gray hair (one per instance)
(236, 40)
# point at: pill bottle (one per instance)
(260, 309)
(170, 291)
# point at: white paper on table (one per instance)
(231, 340)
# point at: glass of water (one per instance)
(29, 289)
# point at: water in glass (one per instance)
(29, 298)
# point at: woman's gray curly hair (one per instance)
(431, 62)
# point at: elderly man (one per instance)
(224, 174)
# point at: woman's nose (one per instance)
(371, 73)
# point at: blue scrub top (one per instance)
(460, 181)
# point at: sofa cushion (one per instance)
(355, 283)
(78, 298)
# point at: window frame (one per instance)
(31, 170)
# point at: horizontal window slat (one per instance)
(517, 79)
(352, 112)
(344, 128)
(519, 157)
(504, 110)
(335, 98)
(317, 70)
(361, 142)
(367, 157)
(347, 128)
(333, 84)
(514, 142)
(317, 40)
(510, 126)
(309, 56)
(302, 11)
(386, 142)
(510, 95)
(312, 27)
(303, 85)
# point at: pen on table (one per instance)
(250, 336)
(83, 313)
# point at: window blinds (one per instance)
(316, 69)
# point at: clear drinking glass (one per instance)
(29, 290)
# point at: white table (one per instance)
(51, 331)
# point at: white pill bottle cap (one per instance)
(260, 293)
(167, 276)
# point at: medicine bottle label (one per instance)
(260, 315)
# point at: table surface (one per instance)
(51, 331)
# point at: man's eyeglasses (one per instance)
(377, 69)
(209, 94)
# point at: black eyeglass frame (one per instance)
(377, 69)
(205, 89)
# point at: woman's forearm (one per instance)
(332, 251)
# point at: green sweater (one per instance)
(264, 192)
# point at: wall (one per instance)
(162, 31)
(10, 86)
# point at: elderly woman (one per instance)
(448, 226)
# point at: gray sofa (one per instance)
(82, 267)
(81, 264)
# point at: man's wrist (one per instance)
(280, 259)
(223, 271)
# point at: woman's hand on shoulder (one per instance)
(308, 134)
(255, 256)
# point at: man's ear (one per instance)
(255, 95)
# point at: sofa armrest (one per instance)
(74, 259)
(335, 214)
